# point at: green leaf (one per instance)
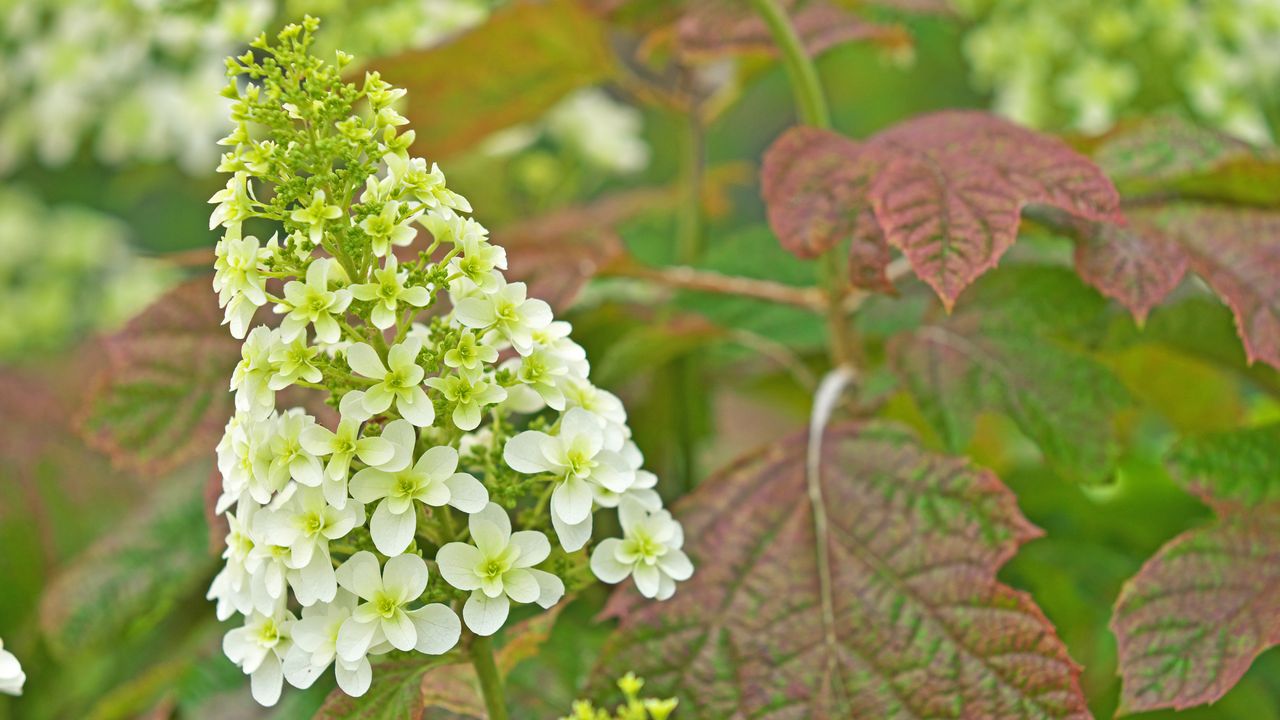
(1007, 351)
(396, 692)
(133, 577)
(918, 624)
(160, 396)
(509, 70)
(1231, 470)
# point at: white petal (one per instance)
(354, 678)
(365, 361)
(438, 628)
(416, 407)
(352, 406)
(402, 437)
(550, 588)
(520, 585)
(392, 533)
(399, 629)
(374, 450)
(572, 536)
(361, 575)
(474, 312)
(405, 576)
(484, 615)
(371, 485)
(605, 565)
(676, 564)
(523, 453)
(354, 639)
(648, 578)
(267, 681)
(533, 545)
(299, 670)
(316, 582)
(439, 462)
(467, 493)
(572, 500)
(494, 514)
(457, 563)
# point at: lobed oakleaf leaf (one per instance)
(509, 70)
(1193, 619)
(1137, 265)
(947, 189)
(1009, 351)
(920, 626)
(134, 575)
(160, 395)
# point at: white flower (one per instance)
(543, 372)
(293, 362)
(401, 383)
(470, 353)
(479, 262)
(285, 458)
(259, 648)
(577, 457)
(305, 524)
(387, 291)
(649, 551)
(313, 303)
(386, 229)
(341, 447)
(470, 392)
(432, 480)
(385, 616)
(428, 186)
(315, 215)
(233, 201)
(251, 379)
(315, 648)
(497, 570)
(11, 675)
(641, 491)
(232, 588)
(507, 310)
(240, 287)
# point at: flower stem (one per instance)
(490, 679)
(811, 104)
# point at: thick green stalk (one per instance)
(811, 104)
(495, 700)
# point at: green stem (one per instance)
(490, 679)
(689, 218)
(811, 104)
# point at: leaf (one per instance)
(713, 29)
(160, 396)
(1170, 155)
(946, 189)
(1136, 265)
(921, 627)
(134, 575)
(406, 684)
(1007, 352)
(509, 70)
(1193, 619)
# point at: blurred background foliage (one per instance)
(540, 114)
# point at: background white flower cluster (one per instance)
(351, 522)
(1088, 61)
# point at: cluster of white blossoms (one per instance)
(369, 527)
(1084, 63)
(11, 676)
(157, 99)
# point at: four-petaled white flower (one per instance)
(315, 648)
(399, 381)
(470, 353)
(305, 524)
(509, 311)
(251, 379)
(427, 186)
(498, 570)
(432, 481)
(241, 288)
(386, 229)
(579, 460)
(649, 551)
(315, 215)
(292, 362)
(313, 303)
(387, 291)
(285, 457)
(11, 675)
(470, 392)
(385, 614)
(341, 447)
(259, 648)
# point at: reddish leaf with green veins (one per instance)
(1191, 622)
(711, 29)
(919, 625)
(1135, 265)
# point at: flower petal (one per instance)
(520, 585)
(364, 360)
(371, 485)
(572, 500)
(405, 577)
(604, 562)
(361, 575)
(550, 588)
(484, 615)
(534, 547)
(400, 630)
(572, 536)
(523, 453)
(438, 628)
(467, 493)
(392, 532)
(416, 407)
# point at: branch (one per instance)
(687, 278)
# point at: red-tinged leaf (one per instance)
(712, 29)
(395, 693)
(814, 184)
(919, 625)
(869, 257)
(509, 70)
(952, 185)
(1237, 252)
(1010, 350)
(1192, 620)
(1136, 265)
(160, 396)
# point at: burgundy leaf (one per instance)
(814, 183)
(919, 627)
(953, 185)
(711, 29)
(1136, 265)
(869, 257)
(160, 396)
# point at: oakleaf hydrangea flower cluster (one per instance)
(463, 451)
